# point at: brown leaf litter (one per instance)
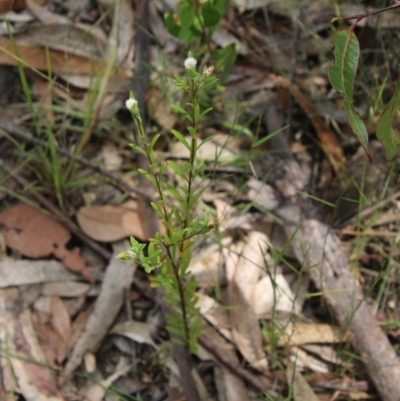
(35, 235)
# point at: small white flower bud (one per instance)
(190, 63)
(130, 103)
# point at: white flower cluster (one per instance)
(190, 63)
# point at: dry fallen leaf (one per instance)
(243, 268)
(34, 235)
(274, 293)
(61, 63)
(35, 380)
(110, 223)
(15, 5)
(307, 333)
(22, 272)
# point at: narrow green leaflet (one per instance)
(342, 73)
(384, 131)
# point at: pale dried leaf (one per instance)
(34, 380)
(160, 110)
(117, 281)
(243, 267)
(206, 265)
(210, 151)
(274, 293)
(53, 345)
(60, 318)
(214, 314)
(111, 223)
(263, 194)
(304, 360)
(61, 63)
(325, 352)
(21, 272)
(111, 157)
(122, 32)
(136, 331)
(302, 391)
(306, 333)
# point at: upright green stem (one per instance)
(175, 268)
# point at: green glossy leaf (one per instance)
(342, 74)
(211, 14)
(387, 136)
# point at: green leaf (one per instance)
(181, 138)
(148, 176)
(220, 5)
(153, 141)
(137, 148)
(172, 26)
(174, 192)
(342, 73)
(182, 111)
(185, 34)
(211, 15)
(177, 169)
(206, 111)
(384, 131)
(186, 16)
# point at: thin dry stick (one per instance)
(57, 213)
(25, 135)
